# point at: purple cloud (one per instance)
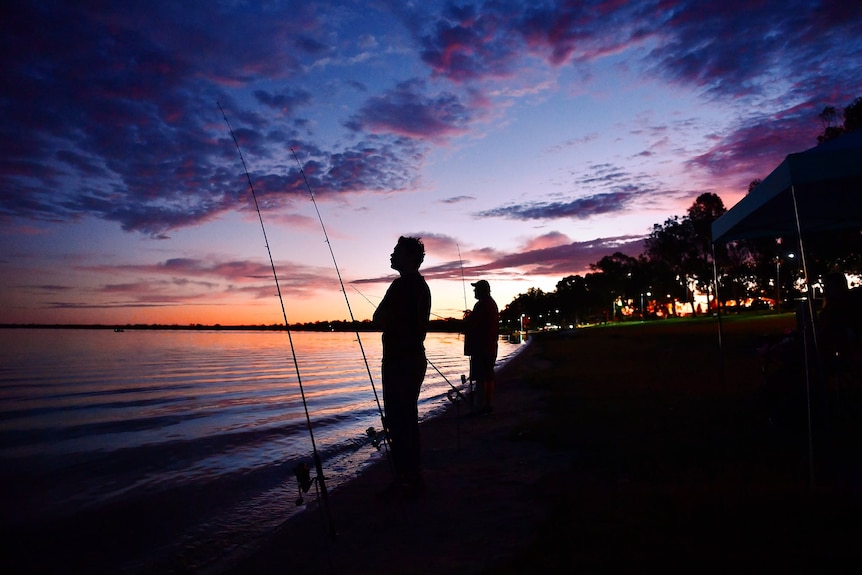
(562, 260)
(110, 111)
(623, 190)
(743, 152)
(552, 254)
(285, 102)
(406, 111)
(539, 257)
(712, 45)
(580, 208)
(467, 43)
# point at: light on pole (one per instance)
(778, 280)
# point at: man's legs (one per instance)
(402, 381)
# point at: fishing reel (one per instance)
(378, 438)
(454, 394)
(304, 481)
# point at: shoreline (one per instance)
(641, 448)
(375, 536)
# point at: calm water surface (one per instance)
(182, 444)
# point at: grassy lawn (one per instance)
(674, 463)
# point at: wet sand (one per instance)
(639, 448)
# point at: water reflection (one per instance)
(91, 417)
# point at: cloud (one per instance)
(549, 255)
(110, 111)
(580, 208)
(208, 279)
(761, 141)
(437, 243)
(614, 190)
(711, 45)
(687, 41)
(552, 254)
(466, 43)
(549, 240)
(406, 111)
(457, 199)
(285, 102)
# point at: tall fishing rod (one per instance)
(346, 300)
(302, 472)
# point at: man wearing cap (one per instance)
(480, 343)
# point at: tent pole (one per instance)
(718, 316)
(806, 324)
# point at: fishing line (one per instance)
(374, 305)
(346, 300)
(458, 395)
(302, 476)
(466, 311)
(463, 282)
(454, 394)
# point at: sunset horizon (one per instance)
(521, 141)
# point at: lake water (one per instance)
(178, 447)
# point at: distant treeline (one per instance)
(448, 325)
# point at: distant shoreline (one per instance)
(438, 326)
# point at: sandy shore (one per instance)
(639, 448)
(482, 475)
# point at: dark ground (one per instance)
(634, 448)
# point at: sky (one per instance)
(522, 141)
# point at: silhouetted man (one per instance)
(480, 343)
(403, 317)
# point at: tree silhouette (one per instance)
(852, 115)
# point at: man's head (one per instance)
(481, 288)
(408, 255)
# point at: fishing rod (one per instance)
(454, 395)
(347, 301)
(458, 395)
(375, 305)
(302, 471)
(466, 312)
(463, 281)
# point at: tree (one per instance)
(684, 245)
(707, 208)
(619, 278)
(535, 306)
(852, 115)
(573, 299)
(754, 183)
(670, 245)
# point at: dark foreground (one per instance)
(639, 448)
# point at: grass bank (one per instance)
(675, 462)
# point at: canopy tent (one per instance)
(824, 182)
(817, 190)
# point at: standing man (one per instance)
(480, 343)
(403, 317)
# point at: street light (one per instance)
(791, 255)
(643, 311)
